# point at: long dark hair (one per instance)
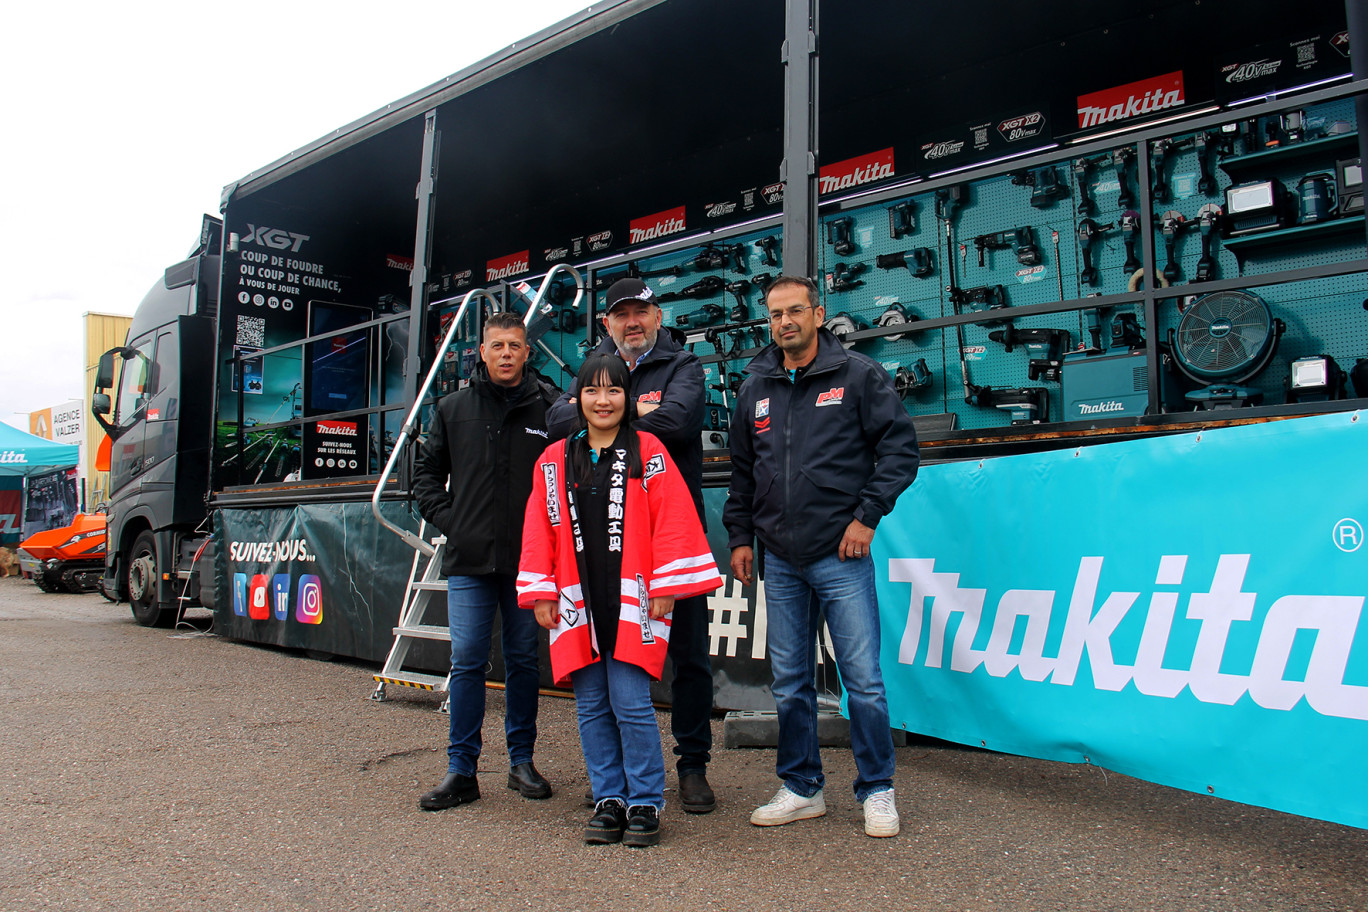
(600, 369)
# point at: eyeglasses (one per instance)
(793, 313)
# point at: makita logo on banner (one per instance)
(660, 225)
(274, 238)
(853, 172)
(599, 242)
(399, 262)
(1148, 96)
(1244, 72)
(1023, 127)
(933, 151)
(511, 265)
(1110, 405)
(13, 457)
(338, 428)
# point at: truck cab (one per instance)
(153, 397)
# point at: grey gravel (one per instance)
(170, 770)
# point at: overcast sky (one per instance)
(124, 121)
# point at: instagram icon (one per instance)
(309, 600)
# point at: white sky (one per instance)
(123, 122)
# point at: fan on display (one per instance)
(1223, 340)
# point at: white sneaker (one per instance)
(786, 807)
(881, 815)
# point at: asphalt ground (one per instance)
(172, 770)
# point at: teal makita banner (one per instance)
(1186, 610)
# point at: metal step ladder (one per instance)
(418, 597)
(419, 591)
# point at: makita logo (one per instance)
(511, 265)
(772, 194)
(555, 254)
(1244, 72)
(269, 552)
(1110, 405)
(338, 428)
(599, 242)
(853, 172)
(717, 210)
(274, 238)
(1235, 654)
(399, 262)
(1148, 96)
(933, 151)
(660, 225)
(13, 457)
(1023, 127)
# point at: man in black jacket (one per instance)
(485, 439)
(667, 387)
(821, 447)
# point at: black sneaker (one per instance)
(454, 789)
(605, 827)
(643, 826)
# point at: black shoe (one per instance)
(605, 827)
(529, 783)
(643, 826)
(455, 789)
(695, 795)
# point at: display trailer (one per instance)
(1113, 259)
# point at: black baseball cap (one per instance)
(629, 290)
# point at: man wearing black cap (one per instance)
(667, 387)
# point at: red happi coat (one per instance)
(664, 552)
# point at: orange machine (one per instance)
(69, 559)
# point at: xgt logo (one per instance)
(832, 396)
(652, 396)
(274, 238)
(932, 151)
(772, 194)
(555, 254)
(1341, 42)
(599, 242)
(661, 224)
(853, 172)
(1023, 127)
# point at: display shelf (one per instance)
(1244, 164)
(1316, 231)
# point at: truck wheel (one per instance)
(142, 577)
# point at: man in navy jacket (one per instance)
(821, 447)
(667, 388)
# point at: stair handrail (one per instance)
(411, 422)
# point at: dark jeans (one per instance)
(691, 690)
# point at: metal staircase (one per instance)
(425, 574)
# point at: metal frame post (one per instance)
(798, 170)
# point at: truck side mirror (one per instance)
(99, 403)
(104, 374)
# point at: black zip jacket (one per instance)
(486, 440)
(671, 376)
(808, 457)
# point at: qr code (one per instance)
(251, 331)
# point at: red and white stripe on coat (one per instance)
(686, 574)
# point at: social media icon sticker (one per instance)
(309, 600)
(280, 596)
(258, 602)
(240, 594)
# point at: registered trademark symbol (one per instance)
(1347, 535)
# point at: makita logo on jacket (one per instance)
(659, 225)
(1147, 96)
(853, 172)
(511, 265)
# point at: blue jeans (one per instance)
(844, 592)
(618, 733)
(472, 603)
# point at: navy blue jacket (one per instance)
(808, 457)
(671, 376)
